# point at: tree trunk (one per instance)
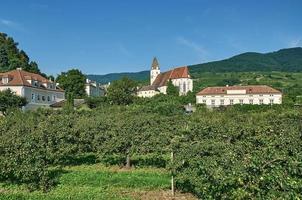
(128, 162)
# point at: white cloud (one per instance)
(200, 50)
(12, 24)
(295, 43)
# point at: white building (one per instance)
(179, 76)
(38, 91)
(224, 96)
(94, 89)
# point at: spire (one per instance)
(155, 64)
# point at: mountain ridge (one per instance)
(287, 60)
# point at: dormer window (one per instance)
(5, 80)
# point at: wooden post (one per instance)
(172, 177)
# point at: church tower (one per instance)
(155, 71)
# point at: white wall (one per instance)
(184, 84)
(153, 74)
(36, 97)
(149, 93)
(216, 100)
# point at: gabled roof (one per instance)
(251, 89)
(19, 77)
(163, 78)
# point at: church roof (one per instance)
(155, 64)
(163, 78)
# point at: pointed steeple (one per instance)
(155, 64)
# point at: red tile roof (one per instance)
(19, 77)
(252, 89)
(163, 78)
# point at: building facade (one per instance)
(179, 76)
(38, 91)
(94, 89)
(230, 95)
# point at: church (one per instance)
(179, 77)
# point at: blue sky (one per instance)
(100, 37)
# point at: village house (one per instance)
(38, 90)
(229, 95)
(179, 76)
(94, 89)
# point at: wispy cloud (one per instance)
(295, 43)
(11, 24)
(200, 50)
(124, 50)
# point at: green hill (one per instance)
(139, 76)
(286, 60)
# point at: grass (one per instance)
(95, 182)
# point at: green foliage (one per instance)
(11, 57)
(246, 156)
(9, 100)
(171, 89)
(94, 102)
(73, 81)
(96, 182)
(121, 92)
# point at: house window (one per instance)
(213, 102)
(54, 97)
(43, 98)
(261, 101)
(184, 87)
(251, 101)
(271, 101)
(261, 95)
(241, 101)
(5, 80)
(38, 97)
(48, 98)
(221, 101)
(271, 95)
(204, 101)
(32, 97)
(231, 101)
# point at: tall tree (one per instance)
(171, 89)
(3, 57)
(11, 57)
(73, 81)
(121, 92)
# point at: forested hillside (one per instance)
(11, 57)
(139, 76)
(285, 60)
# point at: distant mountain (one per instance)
(139, 76)
(288, 60)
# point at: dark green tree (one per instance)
(11, 57)
(9, 100)
(3, 57)
(121, 92)
(171, 89)
(73, 81)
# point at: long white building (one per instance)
(38, 90)
(230, 95)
